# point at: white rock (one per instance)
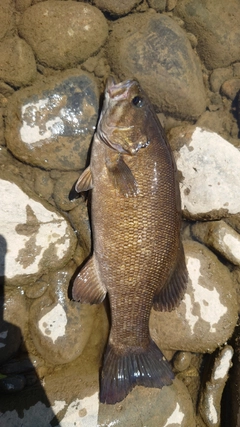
(210, 180)
(37, 237)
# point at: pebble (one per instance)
(220, 237)
(37, 238)
(12, 384)
(83, 30)
(208, 165)
(218, 77)
(155, 50)
(216, 27)
(18, 66)
(182, 360)
(230, 88)
(51, 124)
(207, 315)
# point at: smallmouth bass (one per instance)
(138, 257)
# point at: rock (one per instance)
(216, 27)
(211, 395)
(80, 220)
(220, 237)
(207, 315)
(62, 190)
(60, 328)
(83, 30)
(13, 308)
(22, 5)
(230, 88)
(209, 182)
(169, 406)
(218, 77)
(18, 66)
(154, 49)
(50, 125)
(116, 8)
(37, 238)
(43, 184)
(158, 5)
(182, 360)
(6, 17)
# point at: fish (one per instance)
(137, 257)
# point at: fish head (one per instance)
(123, 123)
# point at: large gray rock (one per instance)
(155, 50)
(208, 180)
(216, 25)
(63, 34)
(50, 125)
(208, 313)
(37, 237)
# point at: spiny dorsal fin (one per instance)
(169, 297)
(87, 287)
(84, 182)
(121, 176)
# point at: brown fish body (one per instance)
(137, 255)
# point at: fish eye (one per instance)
(138, 101)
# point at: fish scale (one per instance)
(137, 253)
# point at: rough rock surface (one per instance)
(208, 165)
(82, 27)
(207, 315)
(155, 50)
(50, 125)
(37, 237)
(6, 17)
(60, 328)
(216, 25)
(17, 66)
(220, 237)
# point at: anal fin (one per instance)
(147, 367)
(169, 297)
(87, 287)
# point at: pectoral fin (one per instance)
(84, 182)
(169, 297)
(121, 176)
(87, 287)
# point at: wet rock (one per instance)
(18, 66)
(211, 395)
(155, 50)
(206, 317)
(83, 30)
(60, 328)
(62, 191)
(13, 308)
(169, 406)
(50, 125)
(230, 88)
(12, 384)
(37, 289)
(216, 27)
(6, 17)
(37, 237)
(182, 360)
(208, 165)
(220, 237)
(116, 8)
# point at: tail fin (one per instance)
(121, 373)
